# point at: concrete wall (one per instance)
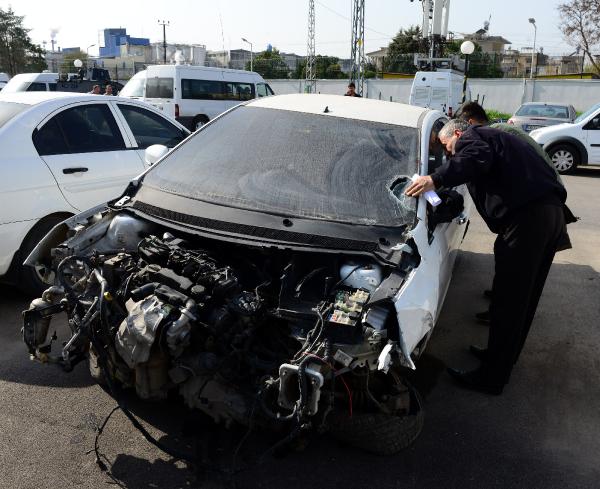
(504, 95)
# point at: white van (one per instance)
(193, 95)
(32, 82)
(438, 90)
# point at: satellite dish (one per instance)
(78, 63)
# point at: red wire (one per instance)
(341, 378)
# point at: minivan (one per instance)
(193, 95)
(439, 90)
(32, 82)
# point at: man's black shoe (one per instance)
(476, 380)
(484, 317)
(487, 294)
(478, 352)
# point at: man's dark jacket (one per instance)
(503, 174)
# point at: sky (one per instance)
(220, 24)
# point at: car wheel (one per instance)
(564, 157)
(34, 280)
(380, 433)
(198, 122)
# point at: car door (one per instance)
(148, 128)
(591, 132)
(86, 152)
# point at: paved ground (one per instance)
(544, 432)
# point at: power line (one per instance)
(350, 20)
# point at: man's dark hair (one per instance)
(472, 110)
(351, 84)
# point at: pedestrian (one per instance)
(95, 90)
(352, 91)
(475, 114)
(519, 197)
(108, 90)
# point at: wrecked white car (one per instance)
(269, 270)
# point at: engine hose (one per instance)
(268, 411)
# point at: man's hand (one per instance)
(420, 186)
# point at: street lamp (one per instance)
(467, 48)
(87, 50)
(245, 40)
(532, 22)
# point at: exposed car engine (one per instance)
(244, 334)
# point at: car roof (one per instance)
(546, 103)
(37, 98)
(346, 107)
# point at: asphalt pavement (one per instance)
(543, 432)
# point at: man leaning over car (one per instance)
(519, 197)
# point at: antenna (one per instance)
(222, 34)
(310, 84)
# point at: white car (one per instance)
(570, 145)
(63, 153)
(271, 253)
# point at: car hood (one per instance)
(544, 134)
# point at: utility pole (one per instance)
(164, 24)
(310, 85)
(357, 49)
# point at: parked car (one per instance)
(61, 154)
(31, 82)
(535, 115)
(282, 281)
(4, 79)
(194, 95)
(571, 145)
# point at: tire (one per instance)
(198, 122)
(30, 279)
(565, 158)
(379, 433)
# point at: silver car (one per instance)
(534, 115)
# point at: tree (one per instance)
(17, 53)
(400, 54)
(269, 64)
(580, 24)
(67, 66)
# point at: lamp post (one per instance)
(533, 56)
(467, 48)
(251, 55)
(87, 50)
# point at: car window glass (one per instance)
(593, 124)
(36, 87)
(238, 91)
(49, 140)
(201, 89)
(555, 111)
(52, 87)
(261, 89)
(437, 153)
(90, 128)
(149, 128)
(159, 87)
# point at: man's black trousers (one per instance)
(523, 252)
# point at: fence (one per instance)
(504, 94)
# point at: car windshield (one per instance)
(587, 113)
(296, 164)
(543, 110)
(14, 86)
(10, 109)
(133, 88)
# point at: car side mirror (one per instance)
(154, 153)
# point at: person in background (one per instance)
(352, 91)
(521, 200)
(95, 90)
(108, 90)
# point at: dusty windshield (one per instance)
(296, 164)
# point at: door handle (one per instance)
(462, 219)
(80, 169)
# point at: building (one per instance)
(239, 58)
(192, 54)
(115, 38)
(489, 44)
(217, 59)
(377, 58)
(562, 65)
(292, 60)
(517, 64)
